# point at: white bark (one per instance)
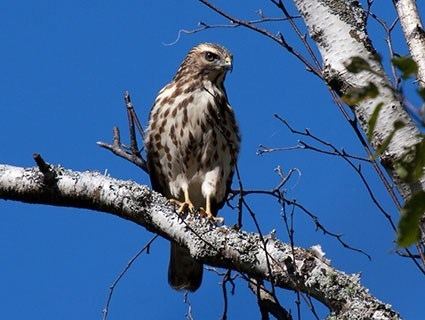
(217, 246)
(414, 33)
(338, 28)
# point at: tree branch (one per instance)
(414, 33)
(267, 302)
(339, 30)
(292, 268)
(132, 153)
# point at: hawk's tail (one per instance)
(184, 272)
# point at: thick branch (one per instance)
(339, 30)
(296, 269)
(414, 33)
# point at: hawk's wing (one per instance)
(184, 272)
(156, 175)
(227, 112)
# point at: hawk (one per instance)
(192, 144)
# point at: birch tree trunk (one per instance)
(414, 33)
(295, 269)
(339, 30)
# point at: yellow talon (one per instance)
(185, 205)
(211, 217)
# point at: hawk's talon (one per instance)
(216, 220)
(184, 207)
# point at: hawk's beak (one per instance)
(228, 64)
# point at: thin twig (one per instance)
(226, 278)
(262, 149)
(132, 154)
(301, 36)
(388, 29)
(315, 219)
(291, 231)
(343, 155)
(266, 302)
(205, 26)
(186, 300)
(112, 287)
(135, 121)
(131, 125)
(278, 38)
(251, 212)
(325, 231)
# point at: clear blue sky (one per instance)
(64, 67)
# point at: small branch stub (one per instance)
(48, 174)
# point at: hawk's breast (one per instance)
(192, 134)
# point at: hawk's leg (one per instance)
(207, 211)
(185, 205)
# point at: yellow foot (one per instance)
(211, 217)
(185, 206)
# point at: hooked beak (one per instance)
(228, 65)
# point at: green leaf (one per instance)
(381, 149)
(372, 121)
(408, 226)
(357, 65)
(356, 95)
(411, 167)
(397, 125)
(406, 65)
(401, 171)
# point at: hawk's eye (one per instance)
(210, 56)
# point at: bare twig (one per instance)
(132, 154)
(368, 10)
(202, 26)
(388, 29)
(227, 278)
(303, 37)
(278, 38)
(186, 300)
(131, 115)
(347, 158)
(319, 226)
(290, 231)
(133, 121)
(262, 149)
(267, 303)
(251, 212)
(315, 219)
(312, 308)
(146, 248)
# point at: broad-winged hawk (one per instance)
(192, 145)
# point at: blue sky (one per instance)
(65, 65)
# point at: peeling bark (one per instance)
(297, 269)
(414, 33)
(339, 30)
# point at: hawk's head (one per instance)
(208, 61)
